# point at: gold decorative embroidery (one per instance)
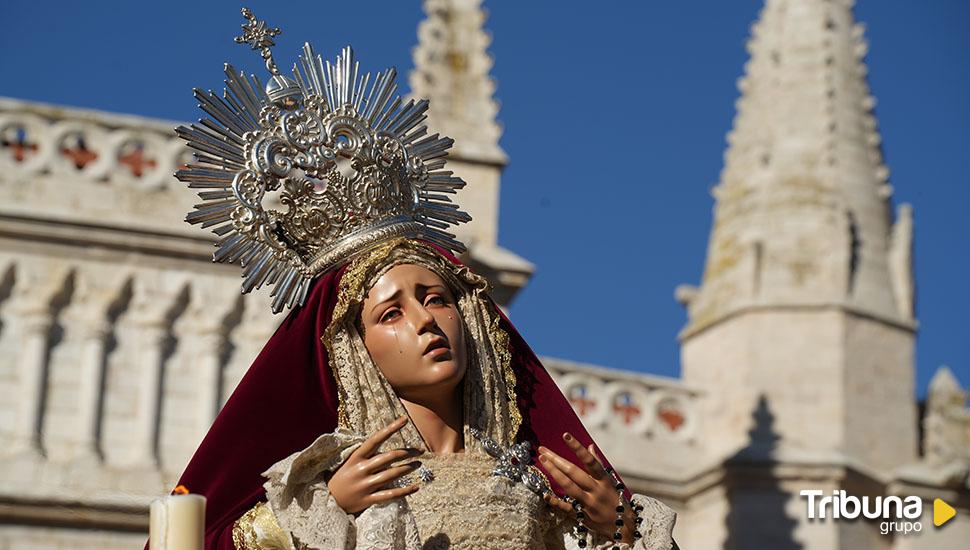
(243, 536)
(258, 529)
(504, 356)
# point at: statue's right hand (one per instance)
(363, 478)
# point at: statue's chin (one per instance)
(438, 376)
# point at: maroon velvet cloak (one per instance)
(288, 398)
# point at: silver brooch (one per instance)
(514, 462)
(425, 474)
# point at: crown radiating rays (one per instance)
(350, 165)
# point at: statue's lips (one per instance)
(438, 352)
(438, 348)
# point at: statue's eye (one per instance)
(437, 300)
(390, 314)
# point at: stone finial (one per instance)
(946, 426)
(451, 68)
(901, 261)
(685, 294)
(945, 391)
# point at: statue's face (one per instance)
(414, 333)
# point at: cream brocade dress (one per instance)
(463, 507)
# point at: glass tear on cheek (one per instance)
(396, 339)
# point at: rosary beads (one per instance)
(582, 532)
(618, 485)
(618, 534)
(620, 508)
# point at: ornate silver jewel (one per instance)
(514, 462)
(425, 474)
(351, 166)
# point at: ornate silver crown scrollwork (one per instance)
(514, 462)
(349, 164)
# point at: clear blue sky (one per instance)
(614, 119)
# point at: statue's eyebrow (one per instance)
(385, 300)
(446, 290)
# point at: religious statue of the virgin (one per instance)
(396, 407)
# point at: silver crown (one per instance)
(350, 164)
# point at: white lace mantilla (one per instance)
(464, 507)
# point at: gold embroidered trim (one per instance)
(350, 282)
(258, 529)
(501, 339)
(243, 534)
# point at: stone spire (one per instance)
(802, 214)
(451, 68)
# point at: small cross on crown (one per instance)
(259, 37)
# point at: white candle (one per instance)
(177, 522)
(156, 525)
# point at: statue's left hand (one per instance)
(592, 486)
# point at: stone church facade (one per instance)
(120, 339)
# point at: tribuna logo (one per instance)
(899, 514)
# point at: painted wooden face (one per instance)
(414, 333)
